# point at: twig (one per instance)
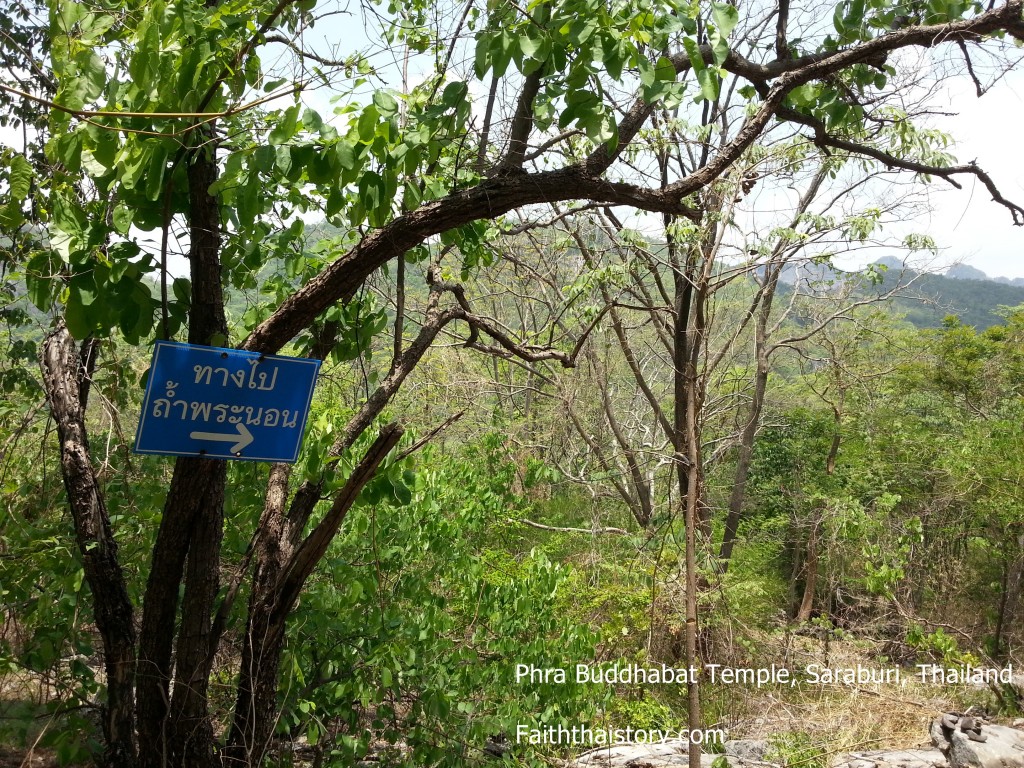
(86, 114)
(429, 436)
(532, 524)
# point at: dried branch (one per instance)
(522, 124)
(824, 139)
(203, 117)
(429, 436)
(556, 529)
(781, 46)
(312, 549)
(303, 53)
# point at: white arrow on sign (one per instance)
(241, 440)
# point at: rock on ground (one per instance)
(961, 742)
(743, 754)
(751, 750)
(980, 746)
(892, 758)
(635, 755)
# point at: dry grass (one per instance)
(838, 717)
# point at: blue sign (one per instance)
(225, 403)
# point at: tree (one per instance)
(156, 125)
(979, 374)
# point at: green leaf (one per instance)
(346, 155)
(11, 216)
(69, 151)
(581, 30)
(708, 79)
(155, 173)
(367, 125)
(320, 169)
(501, 51)
(284, 160)
(93, 74)
(371, 188)
(76, 316)
(335, 202)
(284, 129)
(648, 74)
(68, 217)
(402, 493)
(20, 179)
(725, 20)
(693, 53)
(182, 288)
(83, 285)
(613, 56)
(40, 280)
(482, 59)
(128, 320)
(264, 158)
(664, 70)
(805, 95)
(454, 93)
(385, 103)
(719, 47)
(67, 15)
(855, 17)
(529, 45)
(105, 145)
(726, 17)
(838, 19)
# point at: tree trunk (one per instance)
(1015, 586)
(187, 495)
(687, 340)
(1009, 603)
(803, 613)
(112, 609)
(693, 514)
(780, 258)
(256, 701)
(281, 572)
(796, 550)
(177, 727)
(739, 486)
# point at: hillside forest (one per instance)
(606, 424)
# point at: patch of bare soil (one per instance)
(40, 758)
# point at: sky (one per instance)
(967, 223)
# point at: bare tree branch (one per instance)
(824, 139)
(555, 529)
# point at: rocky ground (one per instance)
(957, 741)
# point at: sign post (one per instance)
(225, 403)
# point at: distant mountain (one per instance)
(963, 291)
(965, 272)
(957, 272)
(929, 297)
(807, 272)
(890, 262)
(1019, 281)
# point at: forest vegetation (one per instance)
(573, 406)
